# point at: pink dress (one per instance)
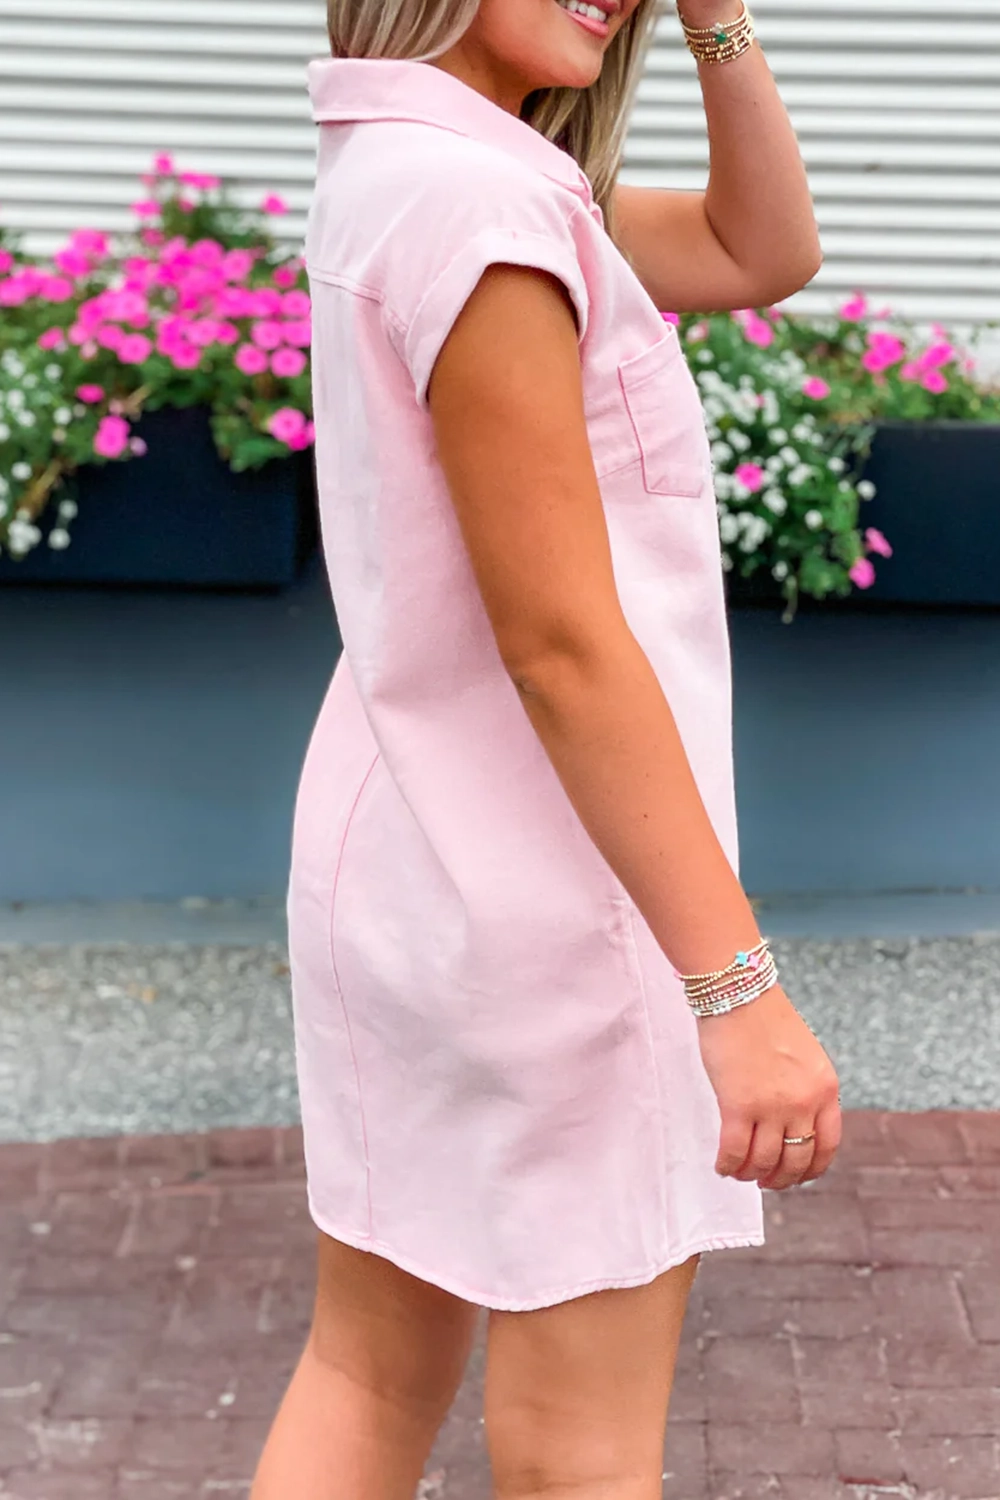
(500, 1079)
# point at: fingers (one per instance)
(756, 1152)
(734, 1143)
(827, 1128)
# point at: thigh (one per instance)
(388, 1332)
(577, 1394)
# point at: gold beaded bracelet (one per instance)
(723, 41)
(749, 975)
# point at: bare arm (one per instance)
(507, 405)
(750, 239)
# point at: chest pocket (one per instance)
(665, 410)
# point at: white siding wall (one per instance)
(897, 104)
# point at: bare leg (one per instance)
(577, 1394)
(384, 1360)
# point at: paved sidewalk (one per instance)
(155, 1292)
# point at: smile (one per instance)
(594, 18)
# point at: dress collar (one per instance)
(364, 88)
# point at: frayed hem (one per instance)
(361, 1241)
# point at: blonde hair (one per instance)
(589, 123)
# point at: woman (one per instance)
(516, 813)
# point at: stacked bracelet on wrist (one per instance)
(723, 41)
(747, 977)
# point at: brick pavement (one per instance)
(155, 1292)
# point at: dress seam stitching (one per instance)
(340, 989)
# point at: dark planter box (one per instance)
(180, 516)
(937, 499)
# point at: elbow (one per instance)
(789, 275)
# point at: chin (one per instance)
(536, 41)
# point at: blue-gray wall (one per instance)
(150, 744)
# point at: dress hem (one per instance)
(550, 1299)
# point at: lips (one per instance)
(593, 15)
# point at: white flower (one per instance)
(20, 470)
(68, 509)
(779, 571)
(721, 453)
(727, 563)
(866, 489)
(12, 365)
(801, 432)
(724, 486)
(770, 409)
(790, 455)
(801, 473)
(729, 528)
(836, 465)
(4, 432)
(775, 502)
(739, 440)
(844, 487)
(754, 532)
(774, 464)
(29, 382)
(813, 519)
(53, 372)
(58, 538)
(58, 434)
(22, 535)
(3, 509)
(26, 419)
(705, 356)
(745, 383)
(15, 400)
(79, 410)
(778, 435)
(63, 416)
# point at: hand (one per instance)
(772, 1078)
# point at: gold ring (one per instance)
(799, 1140)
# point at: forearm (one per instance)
(757, 200)
(612, 739)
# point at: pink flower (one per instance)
(669, 317)
(163, 165)
(6, 261)
(884, 349)
(135, 349)
(52, 338)
(697, 332)
(755, 330)
(935, 382)
(854, 309)
(237, 265)
(152, 237)
(304, 439)
(110, 336)
(146, 208)
(185, 357)
(200, 180)
(815, 388)
(298, 333)
(267, 334)
(112, 437)
(288, 363)
(288, 425)
(910, 370)
(273, 204)
(876, 542)
(284, 276)
(14, 292)
(937, 355)
(266, 302)
(207, 253)
(138, 446)
(298, 305)
(862, 573)
(250, 360)
(226, 333)
(186, 205)
(751, 476)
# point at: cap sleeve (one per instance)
(508, 218)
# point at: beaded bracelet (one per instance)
(751, 973)
(723, 41)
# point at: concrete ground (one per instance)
(133, 1038)
(155, 1293)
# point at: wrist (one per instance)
(700, 13)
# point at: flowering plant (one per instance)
(197, 306)
(790, 404)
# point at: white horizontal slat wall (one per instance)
(897, 108)
(897, 105)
